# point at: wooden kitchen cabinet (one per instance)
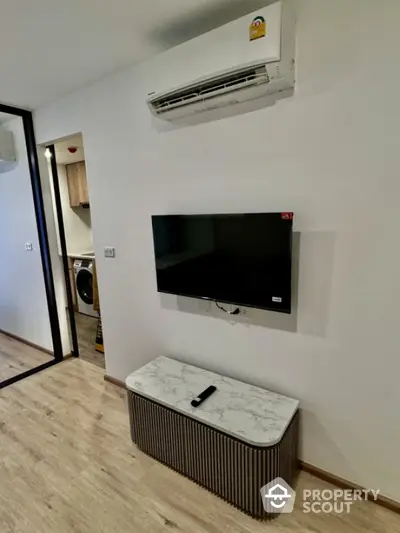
(77, 184)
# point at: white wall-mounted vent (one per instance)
(7, 151)
(226, 66)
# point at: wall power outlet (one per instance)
(109, 251)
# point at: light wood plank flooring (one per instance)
(67, 464)
(86, 327)
(17, 357)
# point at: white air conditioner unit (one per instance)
(250, 58)
(7, 151)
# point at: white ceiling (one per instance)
(52, 47)
(63, 156)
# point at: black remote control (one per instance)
(203, 396)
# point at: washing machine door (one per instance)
(84, 285)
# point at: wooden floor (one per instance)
(67, 464)
(17, 357)
(86, 327)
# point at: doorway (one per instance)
(72, 215)
(30, 336)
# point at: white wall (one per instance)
(77, 221)
(331, 156)
(23, 303)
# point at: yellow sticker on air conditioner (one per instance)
(258, 28)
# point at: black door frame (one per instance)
(33, 163)
(63, 246)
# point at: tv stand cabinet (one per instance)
(238, 440)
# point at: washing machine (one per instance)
(84, 286)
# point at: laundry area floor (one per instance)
(86, 328)
(17, 357)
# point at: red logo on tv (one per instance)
(287, 216)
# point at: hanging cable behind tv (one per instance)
(235, 312)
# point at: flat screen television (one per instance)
(241, 259)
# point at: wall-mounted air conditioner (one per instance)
(250, 58)
(7, 151)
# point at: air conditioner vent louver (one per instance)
(211, 88)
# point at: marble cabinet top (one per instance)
(254, 415)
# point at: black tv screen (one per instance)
(241, 259)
